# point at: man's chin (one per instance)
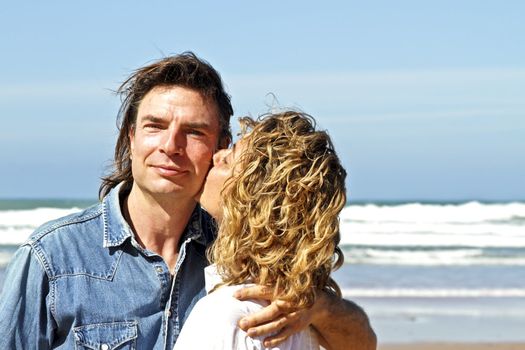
(168, 189)
(198, 195)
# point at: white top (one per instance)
(212, 323)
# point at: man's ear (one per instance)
(131, 135)
(224, 143)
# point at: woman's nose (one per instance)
(218, 156)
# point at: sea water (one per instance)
(421, 271)
(437, 271)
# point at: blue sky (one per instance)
(424, 99)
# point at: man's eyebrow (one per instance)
(198, 125)
(152, 119)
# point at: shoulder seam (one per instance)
(39, 234)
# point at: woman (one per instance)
(276, 196)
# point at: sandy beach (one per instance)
(453, 346)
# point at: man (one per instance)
(126, 272)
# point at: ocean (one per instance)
(421, 271)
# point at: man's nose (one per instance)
(173, 141)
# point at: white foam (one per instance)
(17, 225)
(395, 239)
(432, 293)
(427, 225)
(504, 230)
(472, 212)
(437, 309)
(33, 217)
(5, 257)
(465, 225)
(461, 257)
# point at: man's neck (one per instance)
(158, 221)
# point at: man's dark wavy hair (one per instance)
(185, 70)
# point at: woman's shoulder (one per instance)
(217, 314)
(212, 323)
(222, 305)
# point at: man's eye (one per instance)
(152, 126)
(195, 132)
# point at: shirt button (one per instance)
(168, 313)
(159, 269)
(104, 347)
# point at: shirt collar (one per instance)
(116, 228)
(201, 227)
(211, 277)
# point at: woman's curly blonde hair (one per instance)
(280, 224)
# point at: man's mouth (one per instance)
(168, 170)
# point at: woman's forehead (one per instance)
(239, 146)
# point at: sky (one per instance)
(425, 100)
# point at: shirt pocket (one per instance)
(106, 336)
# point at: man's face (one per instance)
(175, 136)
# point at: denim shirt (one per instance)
(83, 282)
